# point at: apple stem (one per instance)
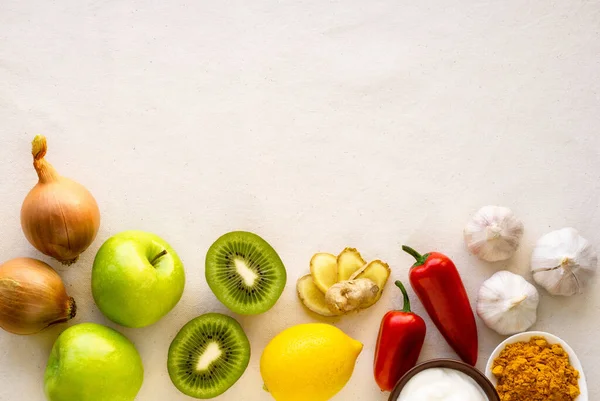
(161, 254)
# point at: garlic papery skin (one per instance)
(562, 261)
(507, 303)
(493, 233)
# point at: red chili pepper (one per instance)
(401, 336)
(437, 283)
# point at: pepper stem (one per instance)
(46, 173)
(420, 258)
(406, 307)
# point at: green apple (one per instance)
(91, 362)
(137, 278)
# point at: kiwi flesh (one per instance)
(245, 273)
(208, 355)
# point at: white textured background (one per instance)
(316, 124)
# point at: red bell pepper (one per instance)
(399, 343)
(437, 283)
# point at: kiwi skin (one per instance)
(226, 283)
(193, 338)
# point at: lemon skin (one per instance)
(308, 362)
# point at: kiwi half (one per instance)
(208, 355)
(245, 273)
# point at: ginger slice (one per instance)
(376, 271)
(312, 297)
(349, 261)
(324, 270)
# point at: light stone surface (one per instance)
(316, 124)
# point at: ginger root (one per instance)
(376, 271)
(341, 284)
(349, 295)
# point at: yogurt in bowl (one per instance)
(444, 380)
(551, 339)
(442, 384)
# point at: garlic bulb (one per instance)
(562, 261)
(493, 233)
(507, 303)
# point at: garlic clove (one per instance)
(507, 303)
(562, 261)
(556, 282)
(493, 233)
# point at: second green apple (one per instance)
(91, 362)
(137, 278)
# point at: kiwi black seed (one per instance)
(245, 272)
(208, 355)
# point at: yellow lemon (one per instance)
(308, 362)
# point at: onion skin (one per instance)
(59, 216)
(32, 297)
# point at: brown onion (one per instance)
(59, 217)
(32, 297)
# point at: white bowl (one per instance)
(552, 339)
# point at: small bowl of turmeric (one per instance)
(536, 366)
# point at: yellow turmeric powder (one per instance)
(535, 371)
